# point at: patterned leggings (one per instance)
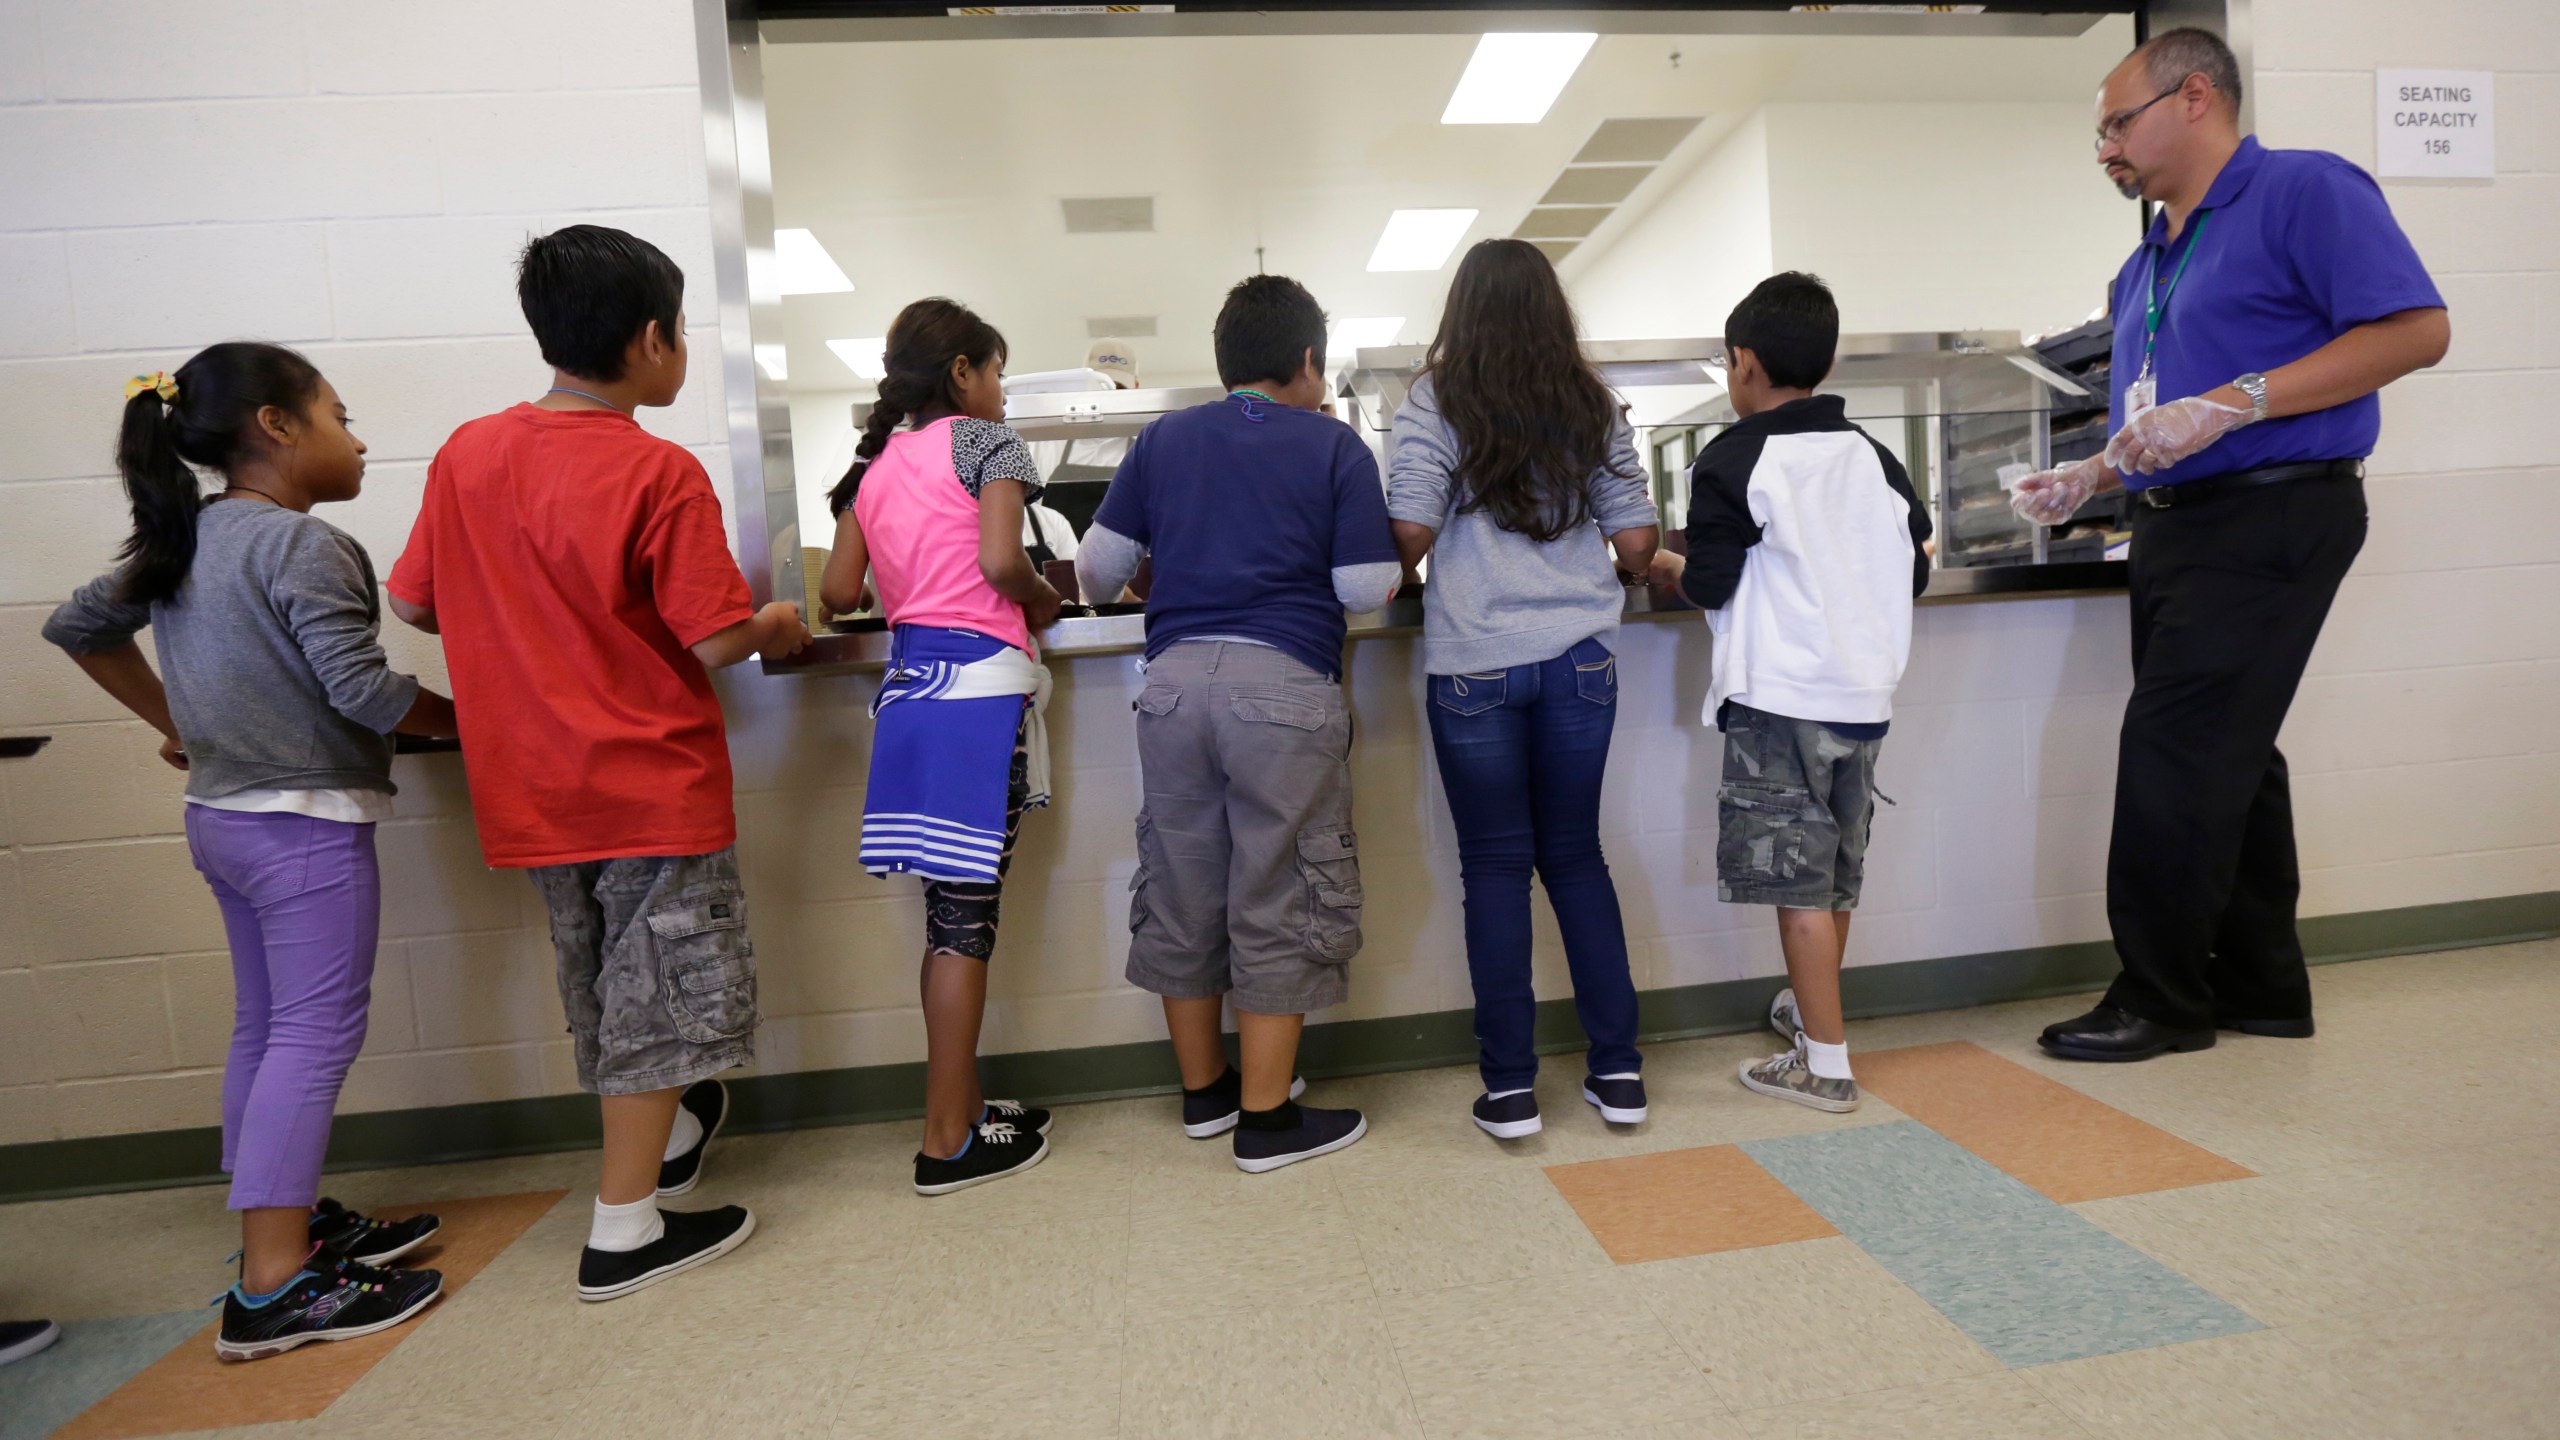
(960, 917)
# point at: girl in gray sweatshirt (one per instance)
(274, 696)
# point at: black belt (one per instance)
(2161, 497)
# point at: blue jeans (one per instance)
(1521, 754)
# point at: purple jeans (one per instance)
(302, 902)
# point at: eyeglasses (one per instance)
(2111, 129)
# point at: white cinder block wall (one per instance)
(177, 173)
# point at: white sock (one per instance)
(686, 1134)
(626, 1227)
(1621, 1075)
(1831, 1062)
(1498, 1094)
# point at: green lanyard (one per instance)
(2155, 299)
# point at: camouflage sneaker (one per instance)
(1785, 1076)
(1784, 1017)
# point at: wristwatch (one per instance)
(2253, 385)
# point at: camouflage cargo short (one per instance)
(1794, 812)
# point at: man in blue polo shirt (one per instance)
(2271, 300)
(1266, 520)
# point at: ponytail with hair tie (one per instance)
(225, 387)
(923, 341)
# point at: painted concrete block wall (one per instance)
(136, 146)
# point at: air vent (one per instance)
(1556, 250)
(1595, 184)
(1562, 222)
(1110, 215)
(1119, 327)
(1636, 141)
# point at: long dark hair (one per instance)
(923, 341)
(220, 393)
(1531, 416)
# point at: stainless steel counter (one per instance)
(858, 645)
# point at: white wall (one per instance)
(1921, 216)
(177, 173)
(1678, 268)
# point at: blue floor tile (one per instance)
(41, 1393)
(1879, 1180)
(2030, 1281)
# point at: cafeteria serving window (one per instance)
(1091, 179)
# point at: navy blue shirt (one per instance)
(2300, 249)
(1246, 508)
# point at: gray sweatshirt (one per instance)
(270, 653)
(1497, 598)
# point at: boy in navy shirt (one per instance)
(1266, 520)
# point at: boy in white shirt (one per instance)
(1806, 549)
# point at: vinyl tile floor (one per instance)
(2354, 1235)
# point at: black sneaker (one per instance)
(1029, 1119)
(1508, 1117)
(365, 1240)
(694, 1237)
(22, 1338)
(1620, 1101)
(334, 1298)
(1212, 1110)
(995, 1150)
(709, 1102)
(1317, 1132)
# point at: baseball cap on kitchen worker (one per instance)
(1115, 359)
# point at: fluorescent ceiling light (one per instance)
(1514, 78)
(1361, 332)
(774, 361)
(1420, 239)
(866, 357)
(807, 268)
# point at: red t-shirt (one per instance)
(570, 558)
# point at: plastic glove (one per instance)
(2052, 497)
(2166, 434)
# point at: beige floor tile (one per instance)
(2255, 1386)
(966, 1289)
(1556, 1357)
(1787, 1324)
(1285, 1234)
(2353, 1240)
(2477, 1367)
(1997, 1406)
(1295, 1372)
(1433, 1231)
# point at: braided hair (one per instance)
(923, 341)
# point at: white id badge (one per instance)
(2140, 395)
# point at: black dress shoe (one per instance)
(2108, 1033)
(2276, 1029)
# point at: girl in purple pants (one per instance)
(275, 697)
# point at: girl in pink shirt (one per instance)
(932, 512)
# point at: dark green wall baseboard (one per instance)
(448, 1133)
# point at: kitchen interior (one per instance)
(1091, 189)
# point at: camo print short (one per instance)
(1794, 813)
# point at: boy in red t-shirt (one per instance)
(580, 575)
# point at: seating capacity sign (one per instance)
(2435, 124)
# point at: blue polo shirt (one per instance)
(2301, 248)
(1246, 508)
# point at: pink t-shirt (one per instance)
(917, 504)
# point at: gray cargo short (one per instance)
(1794, 814)
(656, 973)
(1248, 872)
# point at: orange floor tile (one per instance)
(1684, 1202)
(188, 1389)
(2054, 1138)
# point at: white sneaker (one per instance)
(1786, 1076)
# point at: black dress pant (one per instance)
(2229, 592)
